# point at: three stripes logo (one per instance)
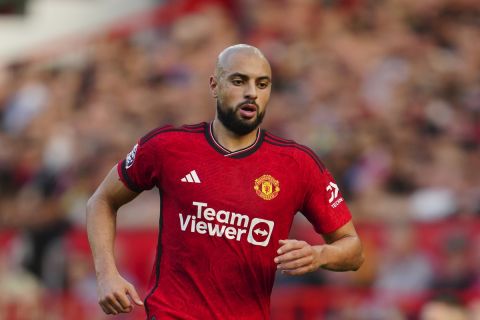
(191, 177)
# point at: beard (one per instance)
(235, 123)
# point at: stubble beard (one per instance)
(235, 123)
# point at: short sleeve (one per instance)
(137, 170)
(323, 203)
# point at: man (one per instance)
(229, 192)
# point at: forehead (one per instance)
(249, 64)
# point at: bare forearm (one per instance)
(101, 220)
(345, 254)
(114, 291)
(101, 224)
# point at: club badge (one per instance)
(267, 187)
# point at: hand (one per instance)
(297, 257)
(114, 292)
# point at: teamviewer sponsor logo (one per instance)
(226, 224)
(260, 232)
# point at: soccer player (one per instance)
(228, 193)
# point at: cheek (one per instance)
(264, 97)
(231, 95)
(222, 94)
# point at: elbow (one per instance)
(98, 204)
(358, 262)
(359, 257)
(93, 204)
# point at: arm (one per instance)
(113, 290)
(342, 252)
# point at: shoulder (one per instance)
(171, 133)
(300, 152)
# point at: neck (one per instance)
(231, 141)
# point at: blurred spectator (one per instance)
(26, 103)
(405, 270)
(444, 307)
(20, 291)
(456, 271)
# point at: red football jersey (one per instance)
(222, 215)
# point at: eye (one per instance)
(237, 82)
(262, 85)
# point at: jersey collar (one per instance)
(233, 154)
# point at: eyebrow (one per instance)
(244, 76)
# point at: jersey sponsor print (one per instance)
(228, 224)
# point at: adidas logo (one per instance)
(191, 177)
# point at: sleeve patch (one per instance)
(131, 157)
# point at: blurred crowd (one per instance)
(386, 92)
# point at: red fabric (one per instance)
(221, 225)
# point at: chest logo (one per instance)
(267, 187)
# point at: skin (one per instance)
(242, 74)
(115, 294)
(342, 252)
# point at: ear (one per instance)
(213, 86)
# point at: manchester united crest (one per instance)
(267, 187)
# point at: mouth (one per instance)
(248, 110)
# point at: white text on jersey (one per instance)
(227, 224)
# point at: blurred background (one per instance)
(387, 92)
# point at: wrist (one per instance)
(104, 272)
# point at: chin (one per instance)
(249, 121)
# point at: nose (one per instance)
(251, 91)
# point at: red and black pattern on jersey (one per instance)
(290, 143)
(222, 216)
(198, 128)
